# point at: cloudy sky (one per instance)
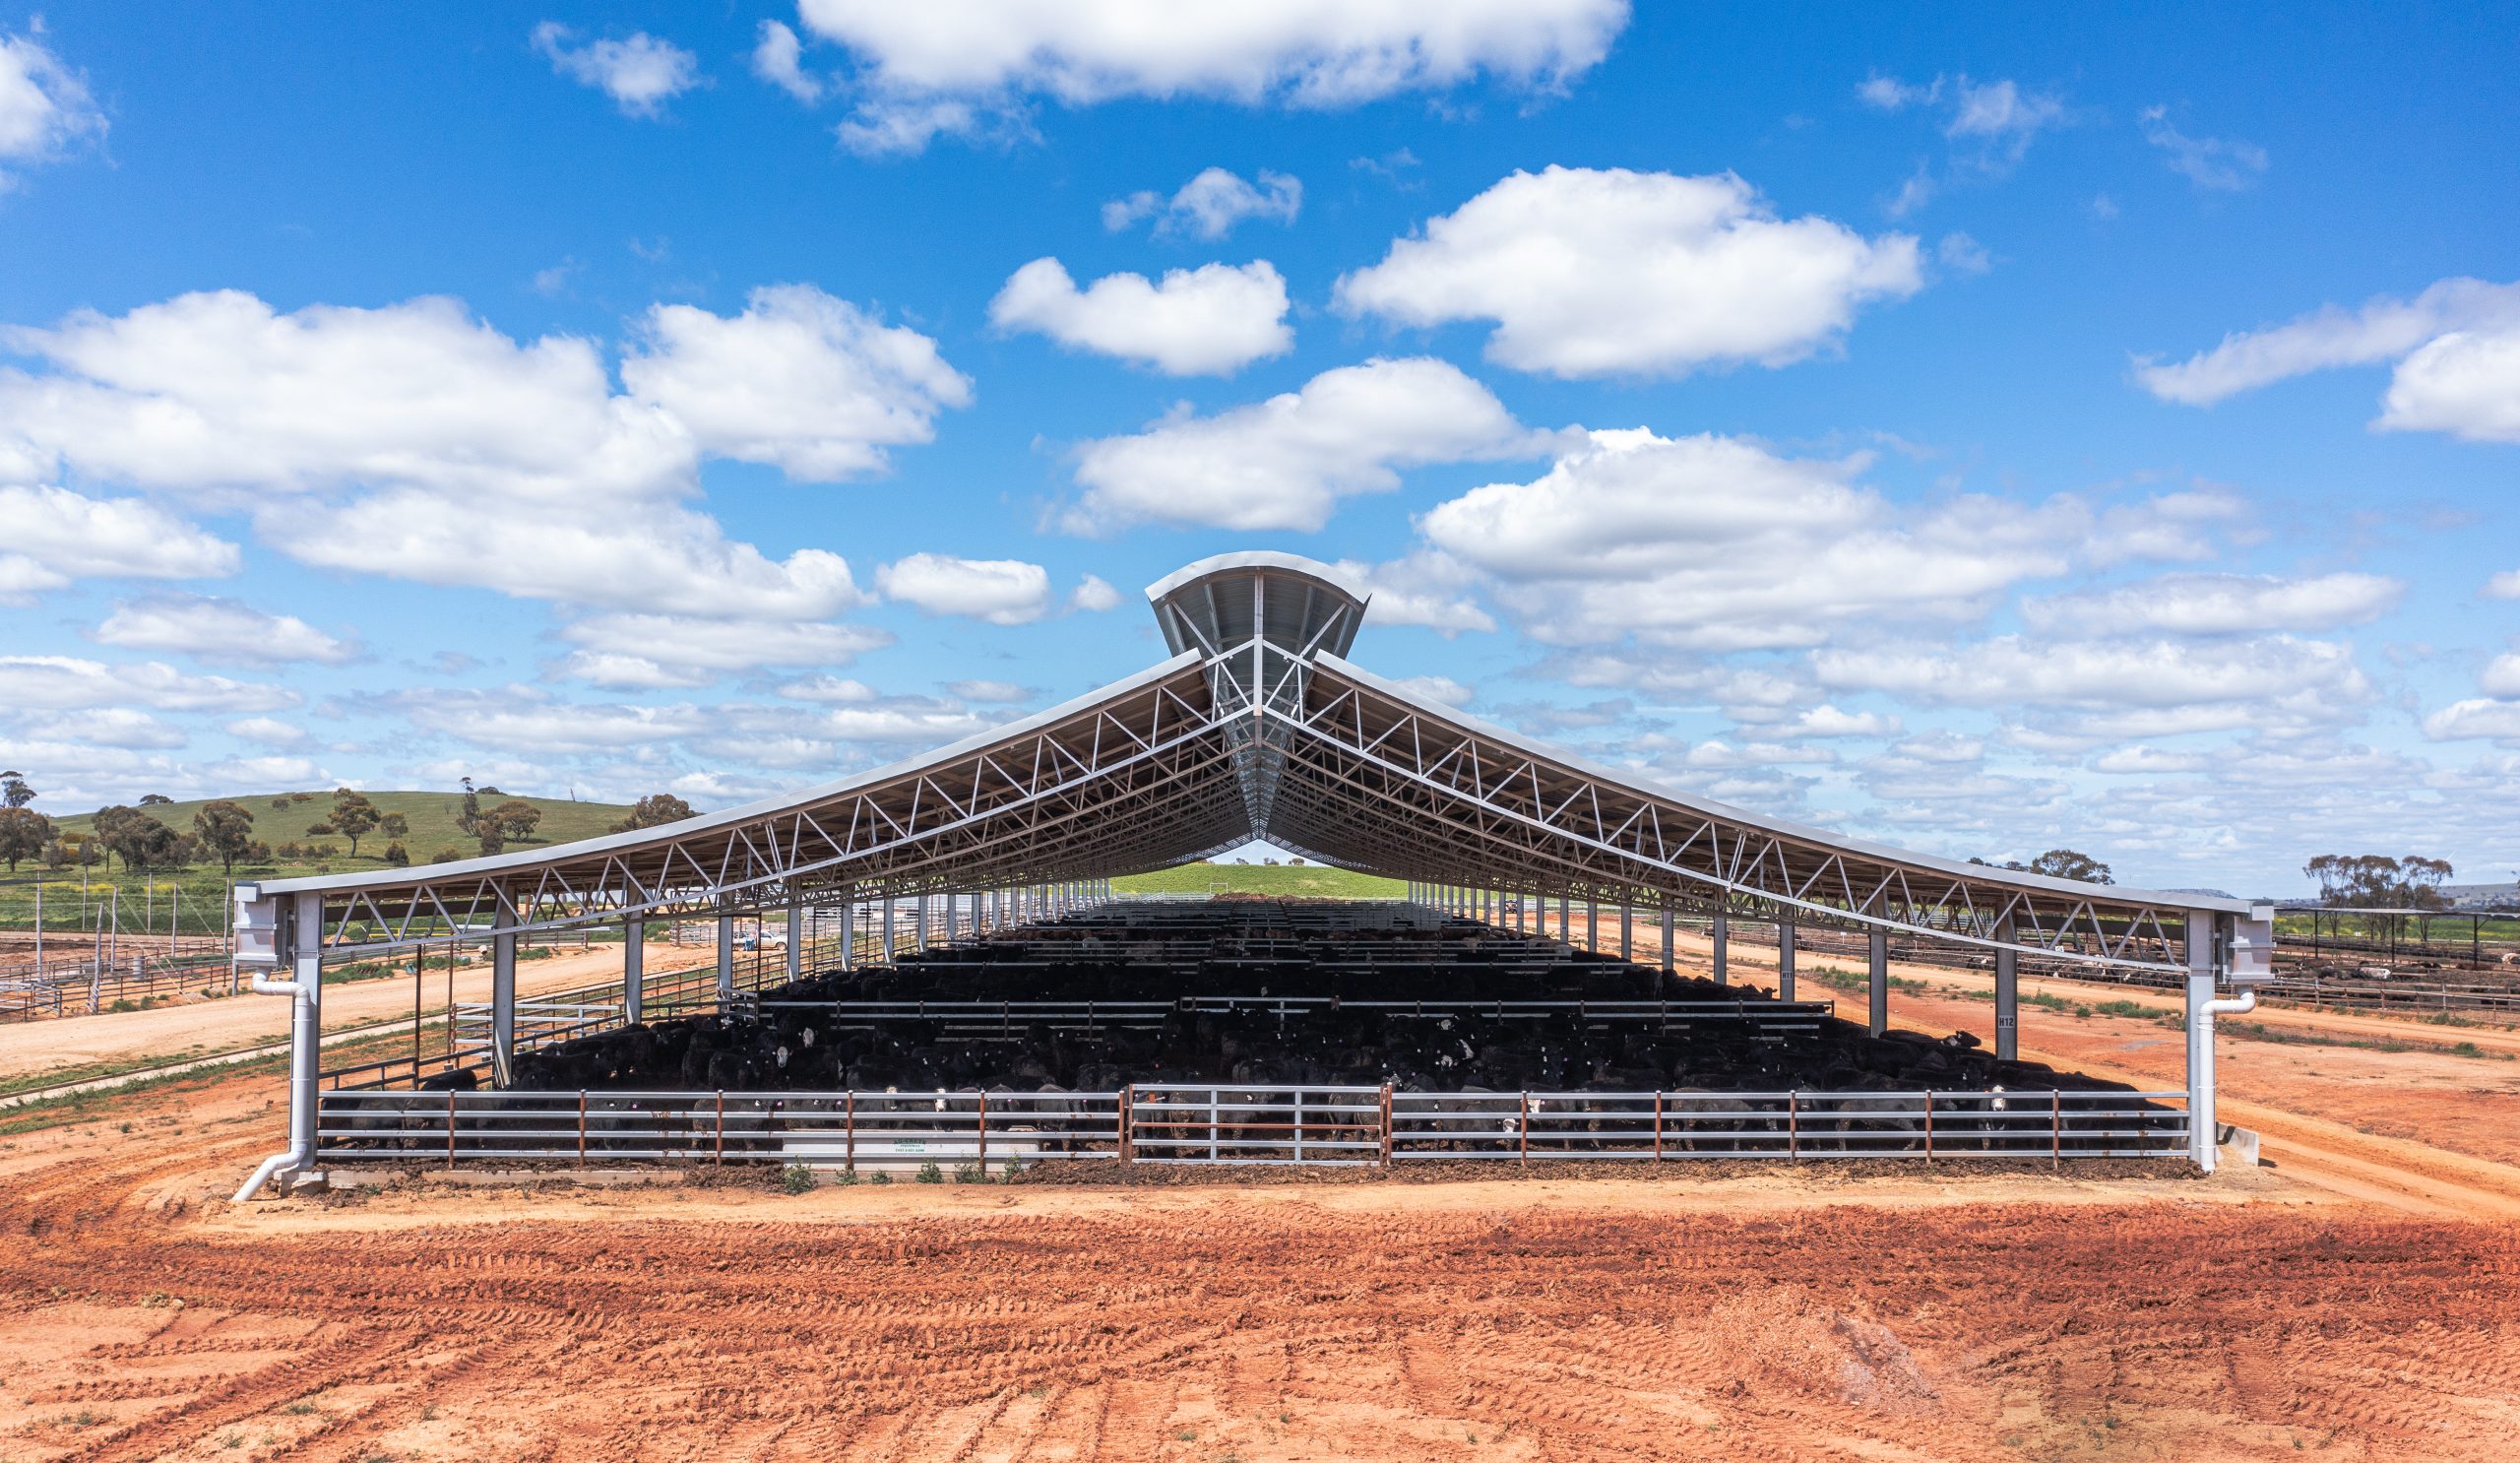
(1975, 434)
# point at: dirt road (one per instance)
(200, 1027)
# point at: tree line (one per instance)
(223, 831)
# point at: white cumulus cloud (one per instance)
(1609, 272)
(2456, 345)
(1286, 462)
(52, 536)
(45, 106)
(1717, 543)
(807, 383)
(776, 58)
(1210, 205)
(214, 629)
(67, 683)
(641, 73)
(382, 440)
(1093, 594)
(1212, 320)
(947, 67)
(1002, 591)
(652, 652)
(2221, 605)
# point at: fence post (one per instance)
(1128, 1152)
(1792, 1125)
(1523, 1131)
(2056, 1127)
(1658, 1126)
(450, 1127)
(582, 1128)
(1929, 1126)
(1386, 1124)
(849, 1134)
(983, 1134)
(721, 1127)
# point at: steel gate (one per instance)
(1202, 1124)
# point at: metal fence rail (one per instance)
(1012, 1016)
(847, 1129)
(1787, 1125)
(1229, 1123)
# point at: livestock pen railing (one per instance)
(1226, 1124)
(1009, 1017)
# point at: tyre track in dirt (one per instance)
(1360, 1324)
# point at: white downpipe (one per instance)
(2203, 1128)
(305, 1048)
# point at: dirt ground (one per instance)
(205, 1026)
(2358, 1301)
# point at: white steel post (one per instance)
(726, 960)
(918, 923)
(1877, 985)
(2007, 993)
(1785, 957)
(1626, 930)
(849, 930)
(884, 939)
(634, 972)
(1720, 930)
(502, 988)
(306, 1024)
(1667, 934)
(1592, 926)
(795, 942)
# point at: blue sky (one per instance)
(1980, 434)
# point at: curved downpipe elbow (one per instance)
(2231, 1005)
(300, 1153)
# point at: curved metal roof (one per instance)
(1258, 726)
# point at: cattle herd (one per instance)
(1267, 991)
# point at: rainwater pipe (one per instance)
(305, 1078)
(2204, 1140)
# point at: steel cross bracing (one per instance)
(1257, 728)
(1141, 778)
(1401, 789)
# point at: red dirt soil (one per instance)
(1793, 1317)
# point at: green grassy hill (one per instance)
(1289, 881)
(72, 897)
(431, 815)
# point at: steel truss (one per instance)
(1257, 728)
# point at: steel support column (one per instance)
(726, 960)
(2007, 994)
(1667, 935)
(1877, 980)
(1592, 926)
(795, 942)
(306, 1022)
(1721, 931)
(503, 918)
(1626, 932)
(634, 972)
(849, 930)
(1785, 957)
(2200, 1041)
